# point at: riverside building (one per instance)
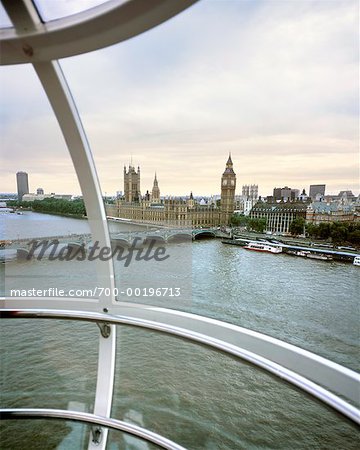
(279, 215)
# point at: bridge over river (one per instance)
(163, 235)
(167, 235)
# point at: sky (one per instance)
(274, 82)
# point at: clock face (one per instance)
(224, 182)
(232, 182)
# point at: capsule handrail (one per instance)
(76, 416)
(294, 378)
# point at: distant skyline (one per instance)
(274, 82)
(199, 195)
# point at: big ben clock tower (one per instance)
(228, 185)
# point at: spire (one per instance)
(155, 181)
(155, 193)
(229, 161)
(229, 165)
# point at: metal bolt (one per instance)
(28, 50)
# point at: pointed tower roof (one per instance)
(229, 165)
(155, 181)
(229, 161)
(155, 193)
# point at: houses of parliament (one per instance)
(151, 209)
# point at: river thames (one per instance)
(195, 396)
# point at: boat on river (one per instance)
(320, 256)
(263, 247)
(356, 261)
(302, 253)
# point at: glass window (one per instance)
(5, 22)
(263, 90)
(201, 398)
(50, 10)
(48, 364)
(36, 170)
(62, 435)
(175, 106)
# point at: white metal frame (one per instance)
(101, 26)
(119, 425)
(32, 41)
(324, 379)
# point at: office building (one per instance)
(279, 216)
(317, 191)
(22, 184)
(285, 194)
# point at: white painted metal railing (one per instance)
(92, 419)
(324, 379)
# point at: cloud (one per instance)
(273, 82)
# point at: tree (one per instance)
(312, 230)
(338, 232)
(324, 230)
(258, 225)
(354, 237)
(239, 220)
(17, 204)
(297, 226)
(60, 206)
